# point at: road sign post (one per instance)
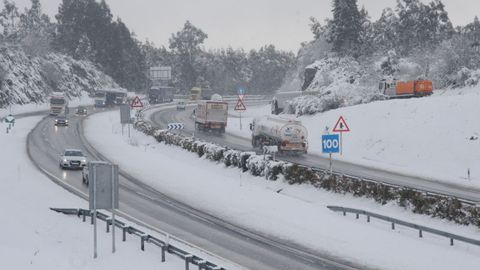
(240, 107)
(341, 127)
(330, 145)
(103, 194)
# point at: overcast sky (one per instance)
(242, 23)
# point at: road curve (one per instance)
(163, 115)
(245, 248)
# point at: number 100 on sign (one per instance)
(330, 143)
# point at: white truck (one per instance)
(211, 115)
(58, 104)
(290, 136)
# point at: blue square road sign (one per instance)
(330, 143)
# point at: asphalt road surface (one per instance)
(248, 249)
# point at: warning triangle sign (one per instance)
(136, 103)
(240, 106)
(341, 125)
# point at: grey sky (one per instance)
(243, 23)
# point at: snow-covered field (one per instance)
(34, 237)
(435, 137)
(294, 213)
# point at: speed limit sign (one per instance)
(330, 143)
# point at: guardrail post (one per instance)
(368, 218)
(420, 234)
(393, 226)
(142, 239)
(107, 222)
(124, 234)
(91, 218)
(201, 265)
(164, 249)
(188, 258)
(451, 241)
(83, 216)
(357, 215)
(344, 213)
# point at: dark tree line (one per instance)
(87, 30)
(222, 70)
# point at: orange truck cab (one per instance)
(416, 88)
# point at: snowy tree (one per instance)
(389, 65)
(385, 36)
(421, 27)
(35, 30)
(9, 20)
(185, 44)
(316, 28)
(345, 27)
(472, 33)
(84, 50)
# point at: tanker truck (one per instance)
(290, 136)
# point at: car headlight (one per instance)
(65, 160)
(84, 161)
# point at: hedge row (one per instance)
(259, 165)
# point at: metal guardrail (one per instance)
(144, 238)
(395, 221)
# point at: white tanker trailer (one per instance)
(289, 135)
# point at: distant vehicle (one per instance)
(109, 97)
(206, 93)
(72, 159)
(58, 104)
(81, 110)
(195, 93)
(61, 120)
(181, 105)
(211, 115)
(399, 89)
(290, 136)
(160, 94)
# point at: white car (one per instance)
(181, 105)
(72, 159)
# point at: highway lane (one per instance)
(161, 116)
(238, 245)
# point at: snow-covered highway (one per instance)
(162, 213)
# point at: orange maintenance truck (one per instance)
(397, 89)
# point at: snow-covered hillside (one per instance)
(434, 137)
(27, 79)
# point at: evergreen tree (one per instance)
(345, 27)
(35, 32)
(86, 31)
(9, 20)
(185, 45)
(385, 35)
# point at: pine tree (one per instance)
(9, 20)
(185, 45)
(345, 27)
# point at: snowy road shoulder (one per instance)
(293, 213)
(36, 237)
